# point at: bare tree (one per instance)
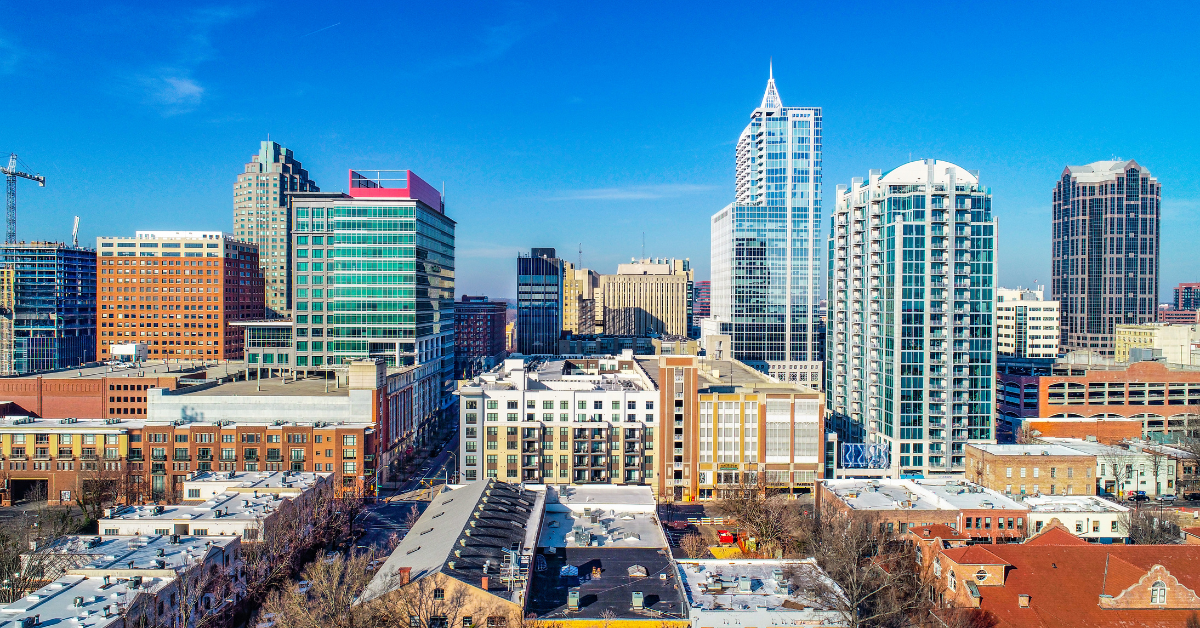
(1188, 473)
(877, 576)
(325, 596)
(31, 550)
(1121, 465)
(1144, 528)
(774, 521)
(1158, 463)
(694, 546)
(99, 485)
(433, 600)
(292, 536)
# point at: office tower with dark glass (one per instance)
(261, 216)
(539, 301)
(1105, 251)
(911, 335)
(766, 249)
(54, 309)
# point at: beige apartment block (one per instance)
(727, 426)
(647, 296)
(1027, 326)
(1175, 341)
(1032, 469)
(261, 197)
(580, 287)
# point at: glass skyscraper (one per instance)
(539, 301)
(54, 312)
(373, 274)
(911, 336)
(766, 251)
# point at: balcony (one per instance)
(274, 458)
(183, 458)
(154, 457)
(202, 456)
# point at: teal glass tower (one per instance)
(373, 274)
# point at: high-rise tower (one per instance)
(766, 252)
(539, 301)
(261, 216)
(1105, 253)
(911, 331)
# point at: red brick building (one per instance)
(478, 334)
(176, 292)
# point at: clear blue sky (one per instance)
(558, 125)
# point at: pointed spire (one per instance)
(771, 98)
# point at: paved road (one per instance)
(384, 518)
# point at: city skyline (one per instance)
(562, 151)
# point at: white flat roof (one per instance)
(611, 528)
(55, 602)
(1030, 450)
(223, 507)
(889, 494)
(713, 585)
(97, 554)
(1072, 503)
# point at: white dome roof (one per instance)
(918, 172)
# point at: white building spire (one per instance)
(771, 98)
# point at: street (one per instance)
(391, 511)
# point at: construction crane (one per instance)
(75, 233)
(12, 173)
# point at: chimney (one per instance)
(404, 572)
(484, 584)
(1023, 600)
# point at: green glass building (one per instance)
(373, 274)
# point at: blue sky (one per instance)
(557, 125)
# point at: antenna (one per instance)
(75, 233)
(580, 255)
(643, 245)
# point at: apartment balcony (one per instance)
(155, 457)
(178, 458)
(205, 457)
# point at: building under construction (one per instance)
(53, 314)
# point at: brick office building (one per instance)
(92, 392)
(478, 335)
(176, 292)
(1032, 469)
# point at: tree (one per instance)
(694, 546)
(100, 484)
(292, 536)
(32, 548)
(1158, 463)
(1144, 528)
(325, 596)
(1122, 469)
(877, 575)
(774, 521)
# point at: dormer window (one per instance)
(1158, 593)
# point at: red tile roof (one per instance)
(938, 530)
(1065, 583)
(1055, 535)
(973, 555)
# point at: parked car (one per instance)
(1137, 496)
(1105, 495)
(1166, 498)
(1192, 496)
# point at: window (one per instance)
(193, 493)
(1158, 593)
(349, 467)
(200, 532)
(349, 440)
(111, 531)
(439, 594)
(950, 580)
(1114, 526)
(1008, 472)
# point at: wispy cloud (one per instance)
(633, 192)
(174, 89)
(496, 40)
(10, 54)
(172, 92)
